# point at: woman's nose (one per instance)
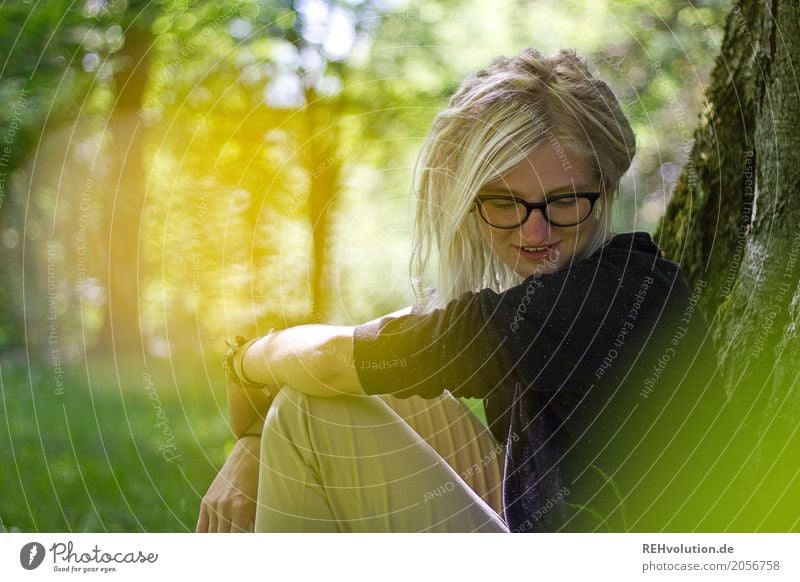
(536, 229)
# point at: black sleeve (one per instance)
(549, 332)
(427, 353)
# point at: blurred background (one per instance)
(175, 172)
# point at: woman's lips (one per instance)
(549, 252)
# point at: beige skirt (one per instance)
(460, 438)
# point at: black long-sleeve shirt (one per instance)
(598, 379)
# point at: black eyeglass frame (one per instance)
(531, 206)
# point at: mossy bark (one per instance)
(734, 222)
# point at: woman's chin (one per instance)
(536, 268)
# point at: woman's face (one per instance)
(546, 172)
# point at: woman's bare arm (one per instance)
(246, 406)
(316, 359)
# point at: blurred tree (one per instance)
(657, 60)
(265, 178)
(260, 163)
(261, 138)
(733, 226)
(40, 78)
(324, 36)
(121, 332)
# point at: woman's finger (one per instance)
(223, 520)
(212, 520)
(241, 519)
(202, 520)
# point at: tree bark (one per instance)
(325, 169)
(122, 330)
(732, 223)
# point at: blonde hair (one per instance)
(494, 120)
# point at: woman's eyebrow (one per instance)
(555, 191)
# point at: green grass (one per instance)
(90, 459)
(476, 406)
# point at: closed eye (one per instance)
(569, 200)
(501, 204)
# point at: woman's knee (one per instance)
(286, 405)
(291, 405)
(288, 396)
(303, 419)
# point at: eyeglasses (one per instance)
(511, 212)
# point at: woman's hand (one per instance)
(229, 506)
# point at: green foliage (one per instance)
(226, 234)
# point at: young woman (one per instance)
(594, 364)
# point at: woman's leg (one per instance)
(453, 431)
(350, 463)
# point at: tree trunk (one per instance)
(733, 225)
(324, 166)
(122, 331)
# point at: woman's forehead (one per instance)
(547, 170)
